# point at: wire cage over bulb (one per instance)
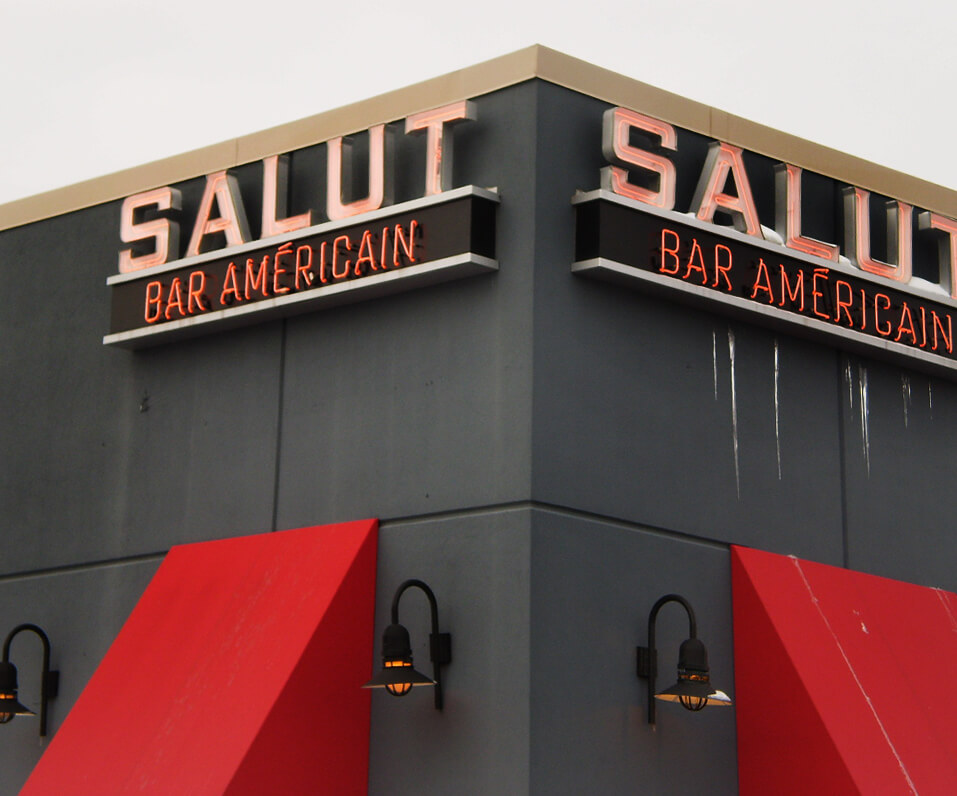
(398, 676)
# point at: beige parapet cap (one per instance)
(473, 81)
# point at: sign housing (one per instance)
(425, 241)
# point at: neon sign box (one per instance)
(896, 300)
(368, 247)
(620, 240)
(424, 241)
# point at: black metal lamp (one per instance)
(49, 682)
(398, 676)
(693, 689)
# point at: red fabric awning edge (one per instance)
(834, 680)
(239, 671)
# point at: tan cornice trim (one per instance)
(473, 81)
(617, 89)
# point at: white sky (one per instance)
(93, 86)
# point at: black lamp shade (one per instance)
(693, 689)
(397, 675)
(9, 706)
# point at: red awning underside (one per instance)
(238, 672)
(844, 682)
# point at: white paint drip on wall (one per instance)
(714, 361)
(850, 668)
(777, 413)
(849, 380)
(734, 413)
(865, 433)
(906, 397)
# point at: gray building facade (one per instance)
(551, 453)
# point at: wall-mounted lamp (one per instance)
(49, 682)
(693, 689)
(397, 675)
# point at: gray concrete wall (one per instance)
(899, 473)
(594, 582)
(478, 565)
(645, 412)
(655, 413)
(421, 402)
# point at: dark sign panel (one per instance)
(625, 241)
(425, 241)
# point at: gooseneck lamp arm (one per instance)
(648, 656)
(50, 681)
(440, 644)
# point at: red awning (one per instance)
(238, 672)
(844, 682)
